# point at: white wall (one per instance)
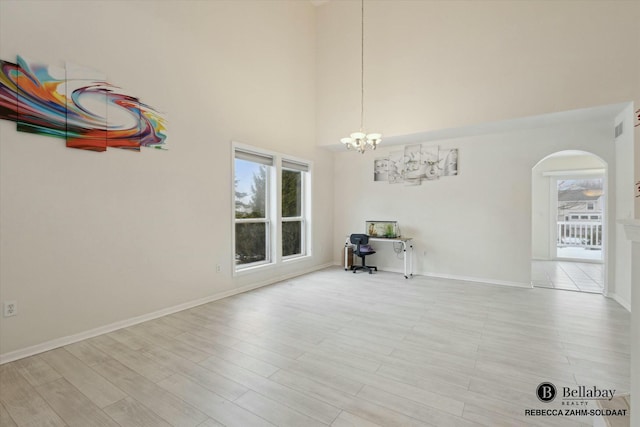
(89, 239)
(541, 219)
(625, 208)
(476, 225)
(443, 64)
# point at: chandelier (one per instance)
(361, 140)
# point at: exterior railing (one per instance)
(579, 234)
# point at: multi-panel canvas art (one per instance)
(39, 105)
(396, 167)
(381, 169)
(412, 164)
(415, 164)
(86, 108)
(77, 104)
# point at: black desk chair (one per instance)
(359, 240)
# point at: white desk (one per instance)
(406, 243)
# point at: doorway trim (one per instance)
(581, 173)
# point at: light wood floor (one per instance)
(333, 348)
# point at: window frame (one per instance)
(268, 208)
(300, 218)
(273, 209)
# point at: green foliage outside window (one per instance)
(291, 207)
(251, 238)
(251, 193)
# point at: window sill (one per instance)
(267, 266)
(295, 258)
(252, 269)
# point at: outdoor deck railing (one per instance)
(579, 234)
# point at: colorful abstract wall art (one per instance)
(415, 164)
(77, 104)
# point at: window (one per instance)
(591, 206)
(264, 235)
(293, 208)
(252, 184)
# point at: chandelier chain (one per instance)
(361, 141)
(362, 66)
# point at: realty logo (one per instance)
(582, 392)
(546, 392)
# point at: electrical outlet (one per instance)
(218, 268)
(10, 308)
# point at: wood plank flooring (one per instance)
(337, 349)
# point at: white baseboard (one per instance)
(454, 277)
(479, 280)
(624, 303)
(462, 278)
(70, 339)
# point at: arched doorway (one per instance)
(569, 210)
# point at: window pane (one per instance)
(291, 193)
(250, 189)
(291, 238)
(251, 242)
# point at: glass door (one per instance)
(579, 218)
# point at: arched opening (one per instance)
(569, 211)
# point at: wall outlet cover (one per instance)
(10, 308)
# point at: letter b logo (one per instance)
(546, 392)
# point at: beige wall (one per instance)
(89, 239)
(443, 64)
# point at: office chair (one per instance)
(359, 240)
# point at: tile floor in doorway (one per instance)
(568, 275)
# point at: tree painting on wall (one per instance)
(77, 104)
(448, 162)
(430, 163)
(396, 167)
(412, 164)
(381, 169)
(416, 163)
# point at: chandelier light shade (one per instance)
(361, 141)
